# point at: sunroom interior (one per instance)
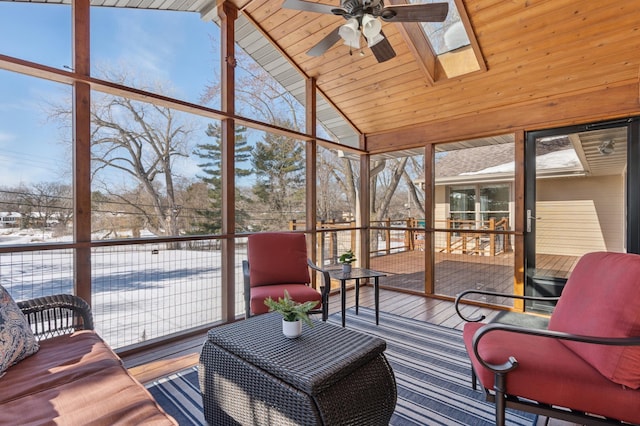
(493, 163)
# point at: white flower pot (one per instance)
(291, 329)
(346, 268)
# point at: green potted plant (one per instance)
(293, 313)
(347, 258)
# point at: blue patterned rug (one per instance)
(429, 361)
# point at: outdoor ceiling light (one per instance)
(350, 33)
(606, 147)
(371, 28)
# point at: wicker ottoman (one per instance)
(250, 374)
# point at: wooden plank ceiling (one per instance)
(533, 50)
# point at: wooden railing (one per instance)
(463, 236)
(485, 238)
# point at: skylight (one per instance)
(451, 43)
(448, 35)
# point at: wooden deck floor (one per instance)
(151, 364)
(454, 273)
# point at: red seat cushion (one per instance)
(298, 292)
(277, 258)
(549, 372)
(76, 379)
(602, 298)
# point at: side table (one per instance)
(357, 274)
(251, 374)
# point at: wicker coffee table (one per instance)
(250, 374)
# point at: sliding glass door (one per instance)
(577, 199)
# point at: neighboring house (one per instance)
(10, 219)
(580, 193)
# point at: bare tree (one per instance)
(395, 169)
(416, 166)
(45, 204)
(139, 141)
(260, 96)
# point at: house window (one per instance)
(473, 206)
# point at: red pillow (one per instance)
(602, 298)
(277, 258)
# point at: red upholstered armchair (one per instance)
(585, 368)
(277, 261)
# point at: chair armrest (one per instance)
(326, 279)
(325, 289)
(51, 316)
(247, 288)
(461, 296)
(511, 362)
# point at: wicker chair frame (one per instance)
(51, 316)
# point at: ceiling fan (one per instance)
(362, 19)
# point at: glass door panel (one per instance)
(575, 202)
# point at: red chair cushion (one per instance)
(277, 258)
(549, 372)
(298, 292)
(602, 298)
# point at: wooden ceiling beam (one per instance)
(471, 33)
(418, 45)
(604, 103)
(420, 48)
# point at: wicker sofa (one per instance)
(74, 378)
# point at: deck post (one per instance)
(492, 236)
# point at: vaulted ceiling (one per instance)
(533, 51)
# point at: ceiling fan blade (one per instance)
(383, 51)
(332, 38)
(308, 6)
(433, 12)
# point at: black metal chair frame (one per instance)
(498, 394)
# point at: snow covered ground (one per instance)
(139, 292)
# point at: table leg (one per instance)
(343, 295)
(357, 294)
(376, 292)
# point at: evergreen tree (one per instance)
(279, 164)
(211, 153)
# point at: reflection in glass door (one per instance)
(575, 203)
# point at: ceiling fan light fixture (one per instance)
(371, 26)
(350, 33)
(364, 19)
(372, 41)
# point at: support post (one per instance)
(81, 152)
(228, 13)
(429, 208)
(311, 161)
(363, 203)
